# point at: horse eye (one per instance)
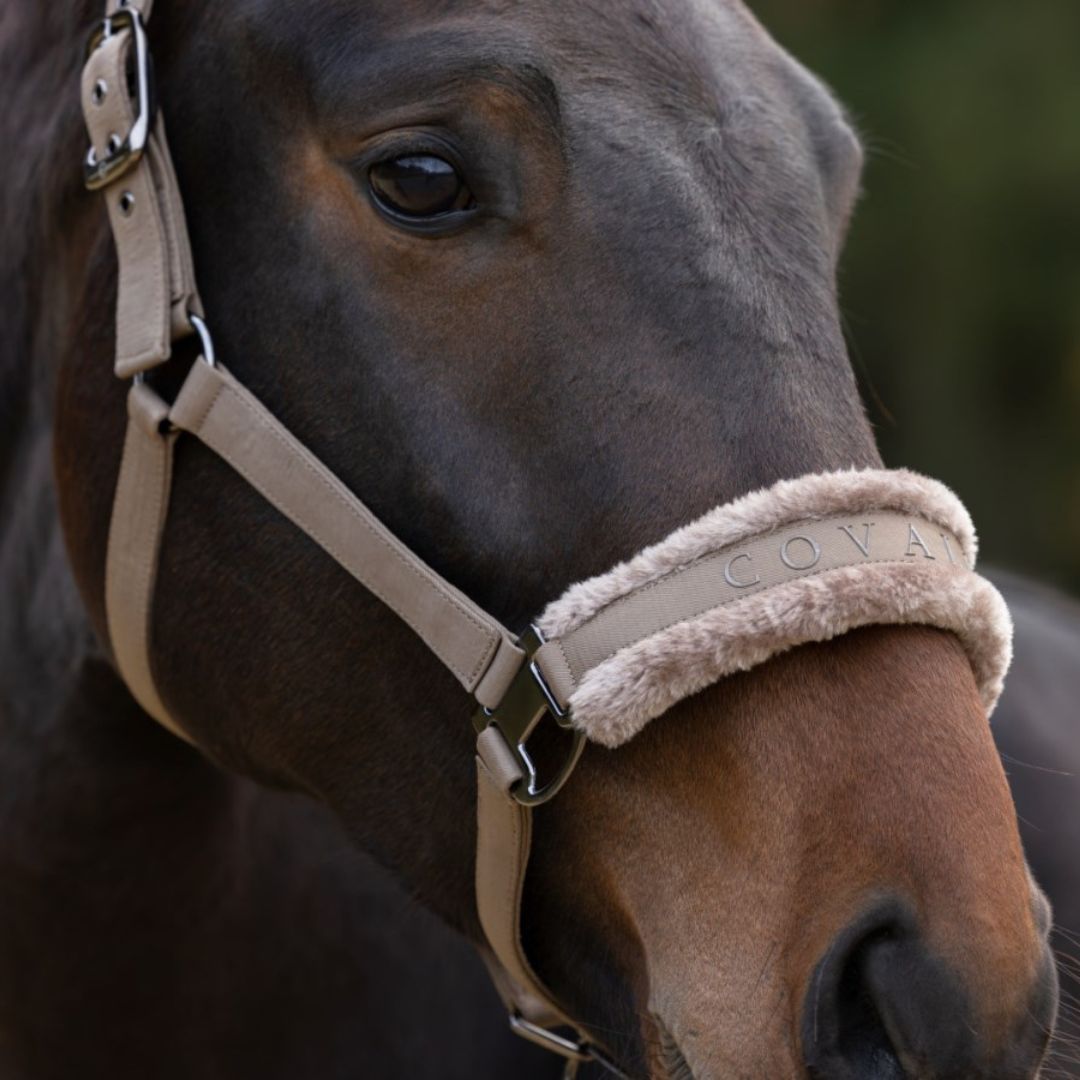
(419, 186)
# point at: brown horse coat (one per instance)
(639, 323)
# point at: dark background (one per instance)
(960, 285)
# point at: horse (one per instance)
(1035, 730)
(541, 283)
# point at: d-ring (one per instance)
(198, 324)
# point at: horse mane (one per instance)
(41, 48)
(42, 624)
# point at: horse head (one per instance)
(541, 283)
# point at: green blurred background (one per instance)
(961, 281)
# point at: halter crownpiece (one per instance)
(802, 561)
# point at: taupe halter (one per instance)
(158, 304)
(518, 683)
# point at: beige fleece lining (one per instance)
(613, 700)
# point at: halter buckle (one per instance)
(527, 701)
(575, 1051)
(98, 174)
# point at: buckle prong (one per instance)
(99, 173)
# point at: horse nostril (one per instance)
(844, 1033)
(881, 1006)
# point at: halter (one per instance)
(802, 561)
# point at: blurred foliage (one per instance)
(961, 281)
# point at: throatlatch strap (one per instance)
(140, 508)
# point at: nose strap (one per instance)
(805, 560)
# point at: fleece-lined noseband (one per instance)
(802, 561)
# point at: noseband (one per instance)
(802, 561)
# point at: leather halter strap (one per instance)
(216, 408)
(129, 162)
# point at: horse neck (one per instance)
(45, 237)
(60, 694)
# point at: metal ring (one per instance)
(526, 792)
(198, 324)
(572, 1049)
(575, 1051)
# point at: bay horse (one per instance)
(541, 282)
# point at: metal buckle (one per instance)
(527, 701)
(98, 174)
(572, 1049)
(576, 1051)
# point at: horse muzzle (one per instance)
(883, 1003)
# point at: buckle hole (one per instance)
(126, 203)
